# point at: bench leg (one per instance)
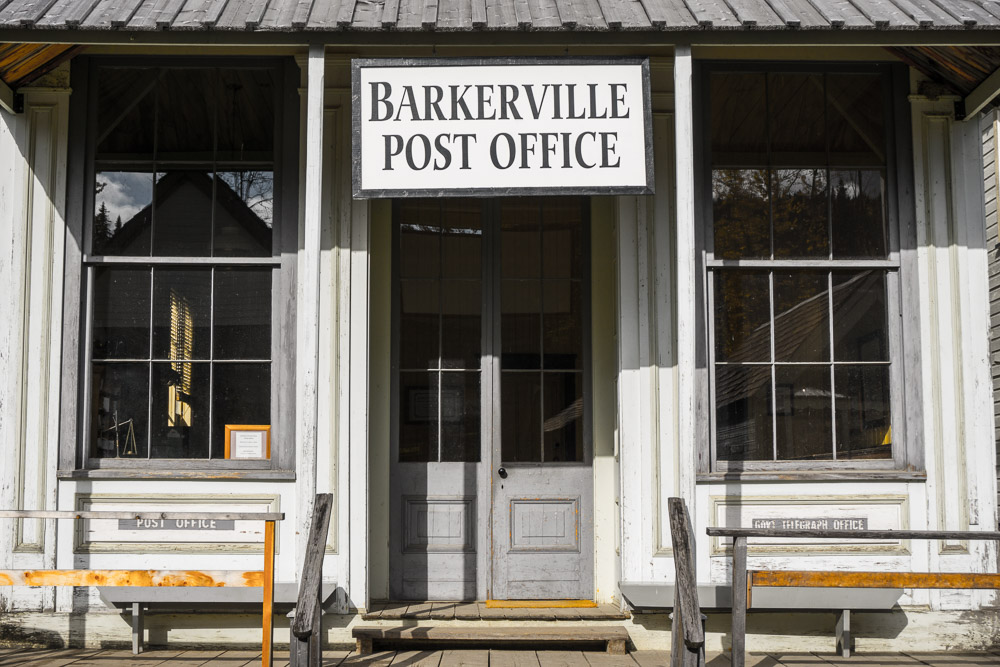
(365, 646)
(137, 629)
(844, 634)
(616, 647)
(739, 628)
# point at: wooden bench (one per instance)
(614, 638)
(195, 579)
(744, 581)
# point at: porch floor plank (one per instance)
(468, 611)
(513, 659)
(595, 659)
(443, 611)
(560, 658)
(660, 658)
(420, 611)
(377, 659)
(194, 658)
(394, 611)
(465, 658)
(417, 659)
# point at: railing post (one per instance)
(687, 610)
(267, 648)
(306, 642)
(739, 628)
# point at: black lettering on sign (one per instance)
(176, 524)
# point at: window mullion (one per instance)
(149, 367)
(774, 370)
(833, 366)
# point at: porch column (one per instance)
(687, 275)
(307, 358)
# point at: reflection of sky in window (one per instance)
(124, 193)
(255, 188)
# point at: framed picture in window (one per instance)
(248, 441)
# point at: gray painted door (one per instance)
(491, 371)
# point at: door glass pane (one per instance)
(742, 316)
(181, 392)
(520, 416)
(858, 213)
(121, 313)
(738, 118)
(859, 316)
(119, 410)
(244, 213)
(123, 214)
(804, 412)
(520, 324)
(419, 321)
(563, 425)
(241, 394)
(418, 417)
(460, 413)
(801, 316)
(799, 199)
(741, 213)
(562, 238)
(863, 412)
(419, 239)
(520, 239)
(461, 239)
(182, 305)
(461, 315)
(183, 213)
(242, 314)
(742, 413)
(563, 324)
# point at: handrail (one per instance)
(857, 534)
(307, 623)
(740, 579)
(687, 610)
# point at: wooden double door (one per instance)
(491, 479)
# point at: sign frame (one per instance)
(358, 192)
(263, 429)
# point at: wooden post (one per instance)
(137, 629)
(739, 600)
(844, 634)
(687, 609)
(267, 649)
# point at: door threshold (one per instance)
(540, 604)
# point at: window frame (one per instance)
(75, 454)
(900, 265)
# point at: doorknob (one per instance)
(502, 472)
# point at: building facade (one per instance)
(789, 326)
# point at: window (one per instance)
(802, 268)
(519, 263)
(182, 258)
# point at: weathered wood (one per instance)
(840, 579)
(844, 633)
(137, 629)
(212, 578)
(687, 583)
(308, 606)
(513, 659)
(465, 658)
(267, 622)
(857, 534)
(170, 516)
(369, 637)
(740, 602)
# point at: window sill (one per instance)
(210, 475)
(813, 476)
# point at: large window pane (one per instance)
(855, 119)
(186, 114)
(803, 412)
(244, 213)
(520, 323)
(860, 330)
(123, 212)
(741, 210)
(743, 425)
(241, 394)
(863, 412)
(126, 106)
(419, 323)
(120, 321)
(795, 108)
(738, 118)
(182, 224)
(418, 417)
(562, 427)
(858, 214)
(801, 316)
(742, 316)
(799, 198)
(246, 118)
(119, 410)
(460, 416)
(520, 416)
(180, 428)
(242, 308)
(182, 309)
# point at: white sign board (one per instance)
(501, 126)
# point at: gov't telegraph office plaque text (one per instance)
(495, 127)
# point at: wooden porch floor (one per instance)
(473, 658)
(475, 611)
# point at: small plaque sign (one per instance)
(814, 523)
(248, 441)
(176, 524)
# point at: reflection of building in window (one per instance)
(181, 344)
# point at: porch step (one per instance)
(614, 638)
(475, 611)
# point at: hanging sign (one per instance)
(501, 126)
